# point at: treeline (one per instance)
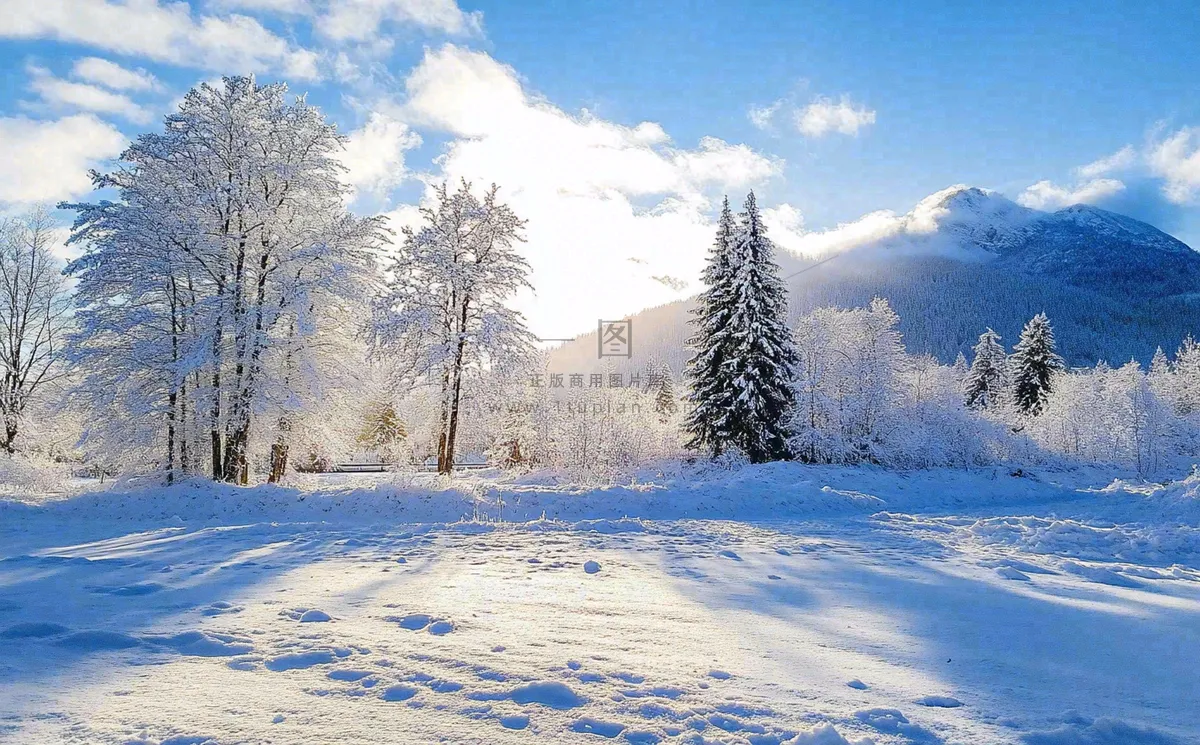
(842, 388)
(232, 320)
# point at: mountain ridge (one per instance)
(965, 259)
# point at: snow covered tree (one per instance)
(987, 380)
(34, 305)
(383, 431)
(762, 354)
(210, 290)
(660, 383)
(444, 314)
(1186, 386)
(708, 376)
(961, 368)
(1034, 365)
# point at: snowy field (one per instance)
(847, 606)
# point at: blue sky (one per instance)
(615, 127)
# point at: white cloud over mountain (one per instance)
(1170, 160)
(1045, 195)
(1176, 159)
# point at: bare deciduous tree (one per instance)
(34, 306)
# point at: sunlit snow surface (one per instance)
(896, 627)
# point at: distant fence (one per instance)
(383, 467)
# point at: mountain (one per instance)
(965, 259)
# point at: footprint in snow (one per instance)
(591, 567)
(774, 576)
(547, 693)
(398, 693)
(590, 726)
(729, 555)
(858, 685)
(719, 674)
(515, 721)
(33, 631)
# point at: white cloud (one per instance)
(162, 32)
(1176, 159)
(49, 160)
(595, 193)
(1045, 195)
(764, 116)
(111, 75)
(284, 7)
(59, 94)
(374, 155)
(824, 115)
(718, 162)
(1118, 161)
(359, 20)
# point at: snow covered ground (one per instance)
(843, 606)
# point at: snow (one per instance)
(772, 604)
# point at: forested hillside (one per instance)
(1116, 288)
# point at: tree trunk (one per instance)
(9, 444)
(456, 387)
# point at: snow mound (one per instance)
(1103, 731)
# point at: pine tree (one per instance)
(662, 387)
(1187, 377)
(383, 430)
(707, 373)
(763, 357)
(987, 379)
(1035, 364)
(961, 368)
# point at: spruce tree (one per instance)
(763, 358)
(961, 368)
(666, 401)
(986, 380)
(1035, 364)
(709, 380)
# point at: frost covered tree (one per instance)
(34, 305)
(1186, 385)
(660, 383)
(216, 285)
(762, 354)
(708, 376)
(383, 431)
(850, 385)
(444, 315)
(1034, 364)
(987, 379)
